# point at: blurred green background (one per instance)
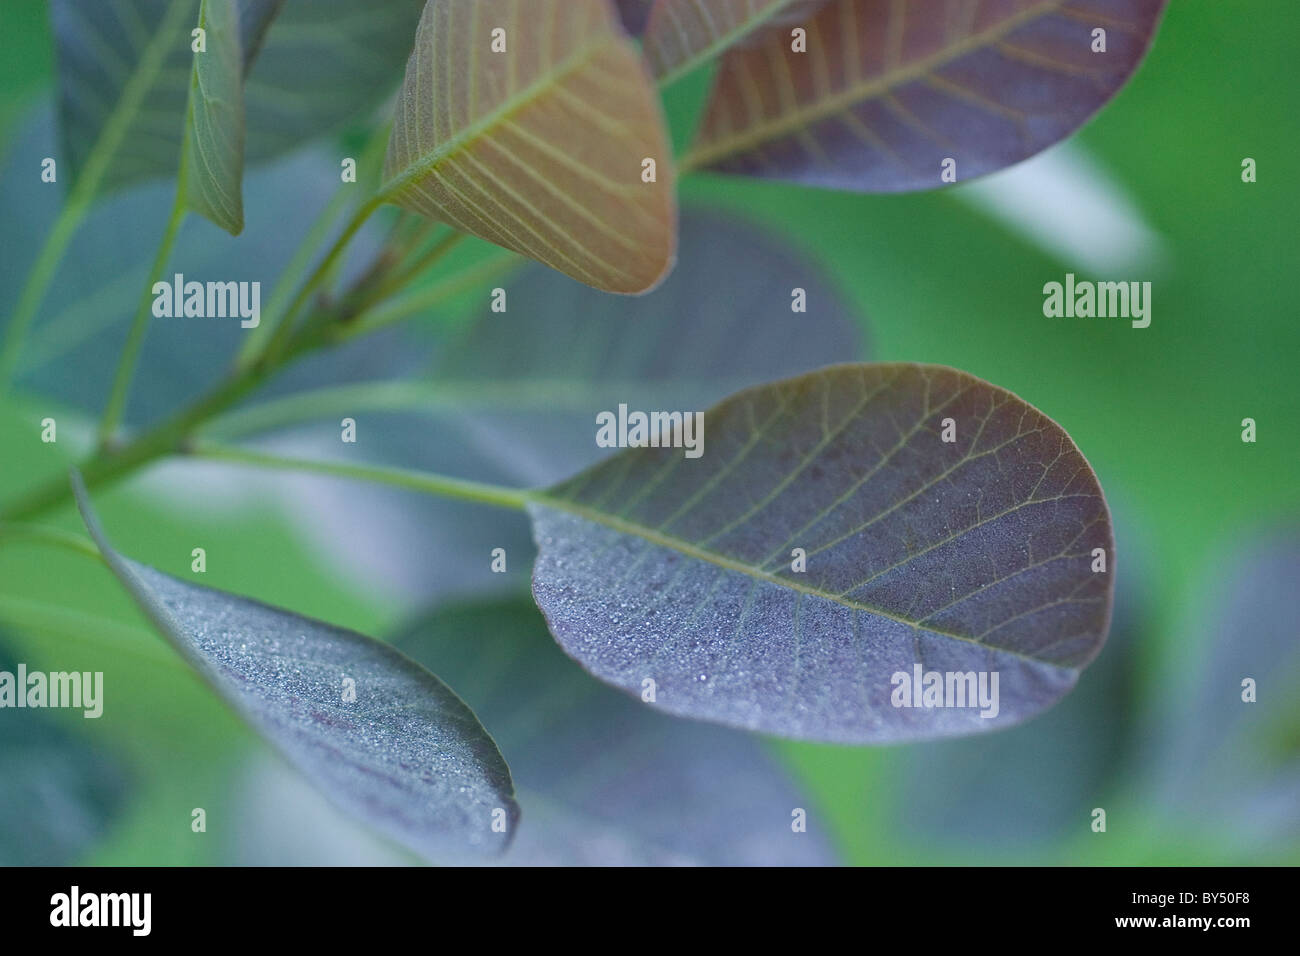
(937, 278)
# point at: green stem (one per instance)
(276, 314)
(130, 356)
(441, 485)
(109, 465)
(275, 311)
(418, 264)
(45, 534)
(429, 398)
(284, 331)
(424, 398)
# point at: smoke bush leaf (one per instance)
(970, 556)
(404, 754)
(540, 144)
(887, 92)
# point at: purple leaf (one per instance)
(887, 94)
(378, 734)
(973, 556)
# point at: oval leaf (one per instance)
(682, 34)
(965, 557)
(406, 755)
(538, 148)
(888, 91)
(212, 159)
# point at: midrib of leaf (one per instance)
(723, 41)
(794, 120)
(731, 564)
(510, 106)
(161, 615)
(193, 152)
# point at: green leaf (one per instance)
(970, 556)
(125, 71)
(540, 147)
(682, 34)
(888, 92)
(212, 159)
(124, 75)
(604, 780)
(406, 755)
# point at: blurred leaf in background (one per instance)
(602, 779)
(60, 789)
(380, 736)
(1227, 759)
